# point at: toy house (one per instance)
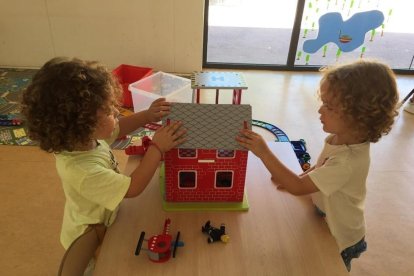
(210, 166)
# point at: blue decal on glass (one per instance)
(347, 35)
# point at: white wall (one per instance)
(166, 35)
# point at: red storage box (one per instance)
(128, 74)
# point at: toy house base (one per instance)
(200, 206)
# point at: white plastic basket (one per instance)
(158, 85)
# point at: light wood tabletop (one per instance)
(279, 235)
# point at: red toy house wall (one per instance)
(205, 190)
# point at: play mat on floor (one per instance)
(12, 84)
(14, 81)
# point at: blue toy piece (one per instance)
(9, 120)
(299, 146)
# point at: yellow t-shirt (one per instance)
(93, 188)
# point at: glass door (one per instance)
(337, 31)
(249, 31)
(307, 34)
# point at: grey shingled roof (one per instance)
(211, 126)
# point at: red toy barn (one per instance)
(210, 166)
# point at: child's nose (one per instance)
(320, 110)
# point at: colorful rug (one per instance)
(12, 84)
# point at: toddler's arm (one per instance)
(165, 138)
(158, 109)
(284, 178)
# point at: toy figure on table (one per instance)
(215, 234)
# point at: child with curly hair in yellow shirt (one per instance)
(71, 111)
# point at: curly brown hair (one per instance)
(366, 91)
(62, 101)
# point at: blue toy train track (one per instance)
(280, 135)
(299, 147)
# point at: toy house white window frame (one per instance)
(225, 157)
(224, 171)
(187, 157)
(179, 179)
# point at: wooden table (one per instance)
(279, 235)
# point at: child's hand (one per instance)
(158, 109)
(169, 136)
(253, 142)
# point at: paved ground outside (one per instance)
(271, 46)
